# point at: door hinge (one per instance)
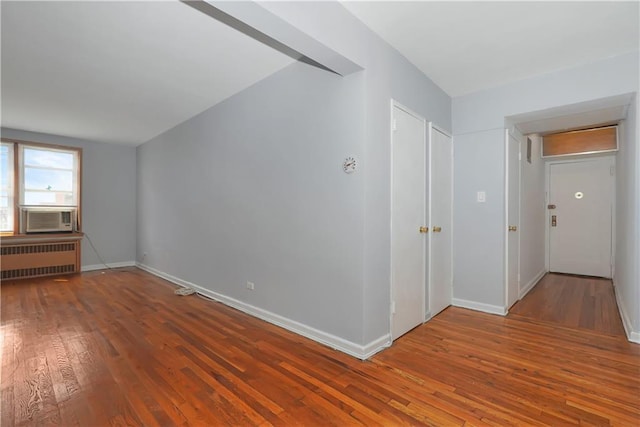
(394, 125)
(612, 170)
(520, 156)
(393, 307)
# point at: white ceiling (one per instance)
(469, 46)
(120, 72)
(125, 72)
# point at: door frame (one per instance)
(507, 136)
(395, 104)
(430, 128)
(547, 183)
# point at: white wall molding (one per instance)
(479, 306)
(335, 342)
(94, 267)
(524, 291)
(633, 336)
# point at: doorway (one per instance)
(580, 216)
(408, 220)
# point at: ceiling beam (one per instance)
(257, 22)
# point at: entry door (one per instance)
(580, 222)
(440, 245)
(512, 228)
(407, 218)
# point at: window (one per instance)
(47, 176)
(585, 141)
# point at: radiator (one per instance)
(27, 260)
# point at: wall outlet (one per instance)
(251, 286)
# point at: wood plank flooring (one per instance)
(573, 301)
(118, 348)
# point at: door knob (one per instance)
(437, 229)
(513, 228)
(424, 229)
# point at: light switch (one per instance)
(482, 197)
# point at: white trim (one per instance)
(94, 267)
(373, 347)
(479, 306)
(524, 291)
(429, 281)
(442, 131)
(335, 342)
(505, 228)
(632, 335)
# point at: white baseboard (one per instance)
(94, 267)
(632, 335)
(479, 306)
(335, 342)
(524, 291)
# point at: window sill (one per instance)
(11, 238)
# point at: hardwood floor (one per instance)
(118, 348)
(573, 301)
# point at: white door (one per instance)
(580, 224)
(440, 239)
(407, 216)
(512, 232)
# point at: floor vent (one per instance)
(21, 261)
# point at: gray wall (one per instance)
(478, 119)
(108, 196)
(387, 75)
(253, 190)
(478, 254)
(315, 241)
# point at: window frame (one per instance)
(18, 175)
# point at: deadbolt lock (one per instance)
(551, 206)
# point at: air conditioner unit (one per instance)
(39, 220)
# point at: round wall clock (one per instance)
(349, 165)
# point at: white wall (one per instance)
(478, 118)
(108, 197)
(627, 254)
(532, 215)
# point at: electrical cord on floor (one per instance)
(96, 251)
(184, 291)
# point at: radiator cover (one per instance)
(26, 260)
